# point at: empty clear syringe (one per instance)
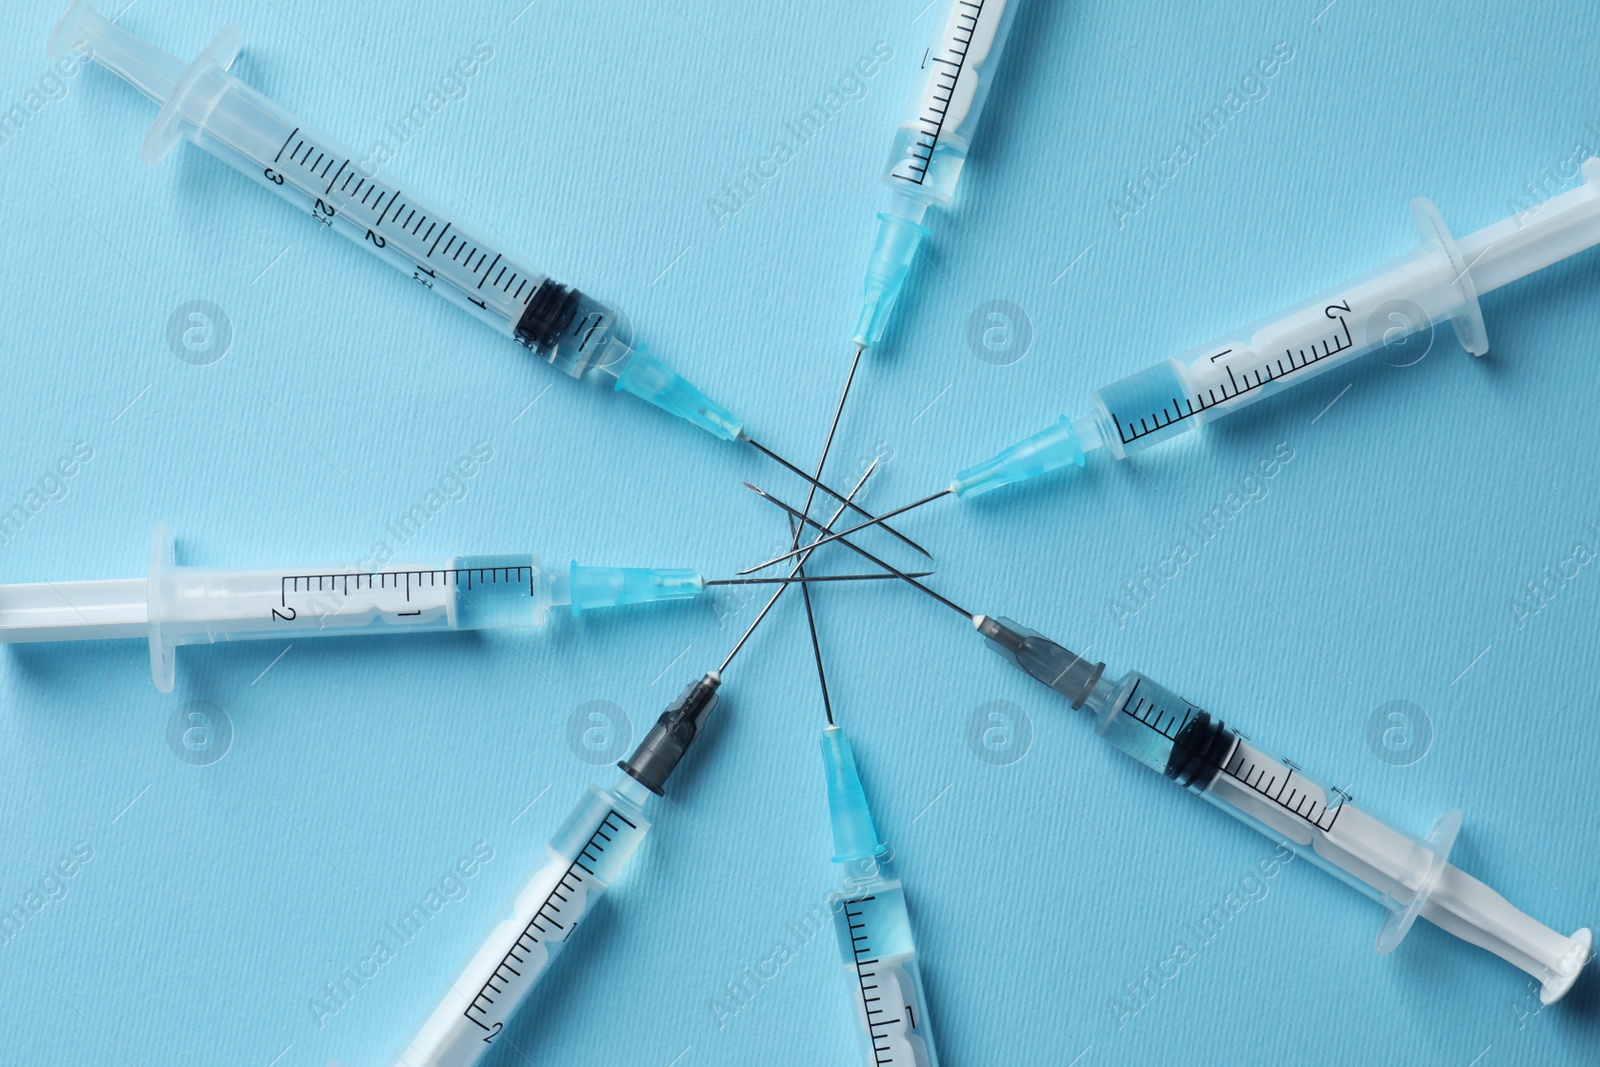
(873, 927)
(1410, 876)
(580, 863)
(1439, 281)
(178, 605)
(931, 144)
(201, 101)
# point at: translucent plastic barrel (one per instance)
(1414, 293)
(1410, 876)
(931, 144)
(580, 863)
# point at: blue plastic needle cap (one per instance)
(892, 254)
(647, 377)
(610, 587)
(1051, 448)
(854, 836)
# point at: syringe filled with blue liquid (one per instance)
(202, 102)
(1411, 876)
(1439, 281)
(931, 144)
(182, 605)
(571, 330)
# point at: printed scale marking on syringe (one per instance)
(861, 948)
(1245, 382)
(404, 581)
(932, 118)
(1150, 714)
(1297, 798)
(385, 207)
(545, 925)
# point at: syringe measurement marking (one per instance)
(932, 119)
(285, 144)
(1149, 424)
(858, 950)
(386, 212)
(571, 881)
(1306, 807)
(1169, 725)
(1137, 712)
(340, 581)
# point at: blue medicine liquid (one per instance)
(497, 591)
(1146, 408)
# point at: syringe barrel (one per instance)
(1409, 875)
(579, 864)
(570, 330)
(930, 146)
(957, 71)
(196, 605)
(175, 605)
(874, 928)
(1412, 294)
(880, 967)
(341, 190)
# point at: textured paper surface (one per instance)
(607, 142)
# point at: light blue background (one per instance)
(1381, 564)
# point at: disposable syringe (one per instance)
(872, 924)
(570, 330)
(1410, 876)
(581, 862)
(869, 912)
(201, 101)
(177, 605)
(1438, 281)
(931, 145)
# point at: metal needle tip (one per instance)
(857, 508)
(783, 588)
(842, 533)
(868, 556)
(812, 579)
